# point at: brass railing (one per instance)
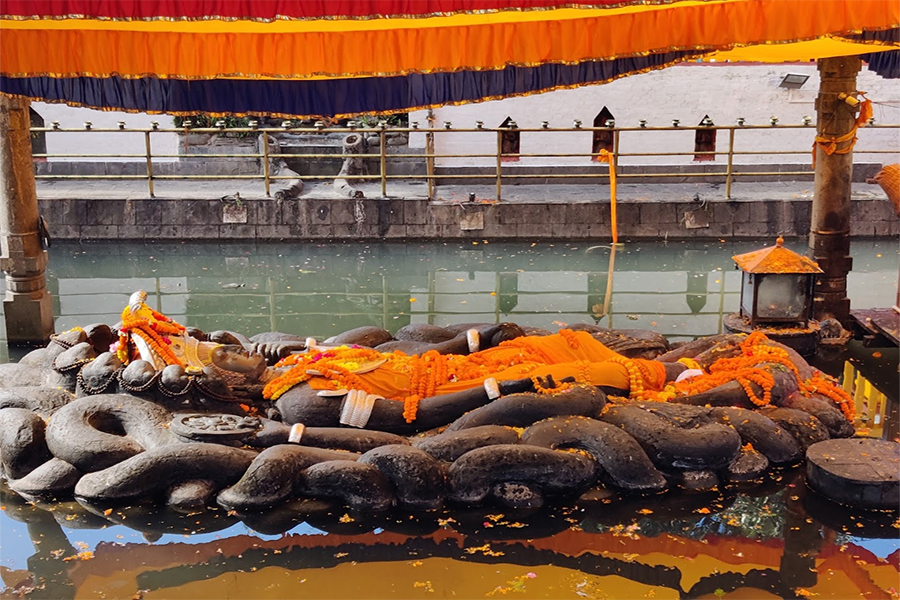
(727, 173)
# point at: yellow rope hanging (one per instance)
(607, 157)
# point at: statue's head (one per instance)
(157, 339)
(238, 360)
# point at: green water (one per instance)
(773, 540)
(679, 289)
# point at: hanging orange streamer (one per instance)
(607, 157)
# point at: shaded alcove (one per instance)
(705, 141)
(509, 142)
(38, 139)
(602, 140)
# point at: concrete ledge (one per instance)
(318, 219)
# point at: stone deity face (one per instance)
(238, 360)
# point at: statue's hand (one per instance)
(275, 351)
(673, 370)
(547, 381)
(250, 391)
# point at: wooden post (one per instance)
(829, 236)
(27, 307)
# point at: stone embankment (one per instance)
(99, 210)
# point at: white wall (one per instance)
(103, 143)
(686, 92)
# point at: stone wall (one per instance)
(308, 219)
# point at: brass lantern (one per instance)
(777, 286)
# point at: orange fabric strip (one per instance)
(607, 157)
(829, 145)
(236, 51)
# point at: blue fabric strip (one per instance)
(328, 97)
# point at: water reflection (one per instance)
(679, 289)
(776, 540)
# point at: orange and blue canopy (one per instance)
(343, 57)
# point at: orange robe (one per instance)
(568, 353)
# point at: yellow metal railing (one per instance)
(726, 173)
(869, 401)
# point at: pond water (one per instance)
(777, 539)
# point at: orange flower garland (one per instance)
(819, 384)
(570, 338)
(337, 364)
(744, 369)
(751, 369)
(411, 407)
(540, 388)
(636, 375)
(154, 330)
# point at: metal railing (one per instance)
(727, 173)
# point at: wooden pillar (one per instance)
(829, 236)
(27, 307)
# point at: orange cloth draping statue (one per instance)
(409, 378)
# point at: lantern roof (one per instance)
(775, 259)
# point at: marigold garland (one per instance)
(751, 369)
(154, 330)
(427, 372)
(746, 369)
(540, 388)
(570, 338)
(411, 407)
(335, 364)
(820, 384)
(637, 373)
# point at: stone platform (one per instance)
(863, 473)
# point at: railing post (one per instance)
(615, 156)
(429, 151)
(729, 169)
(499, 163)
(383, 158)
(429, 163)
(149, 163)
(265, 144)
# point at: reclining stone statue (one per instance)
(468, 414)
